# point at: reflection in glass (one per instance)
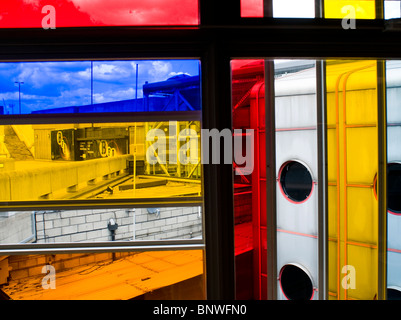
(295, 181)
(249, 189)
(295, 283)
(352, 147)
(99, 86)
(162, 275)
(393, 92)
(296, 174)
(92, 225)
(100, 161)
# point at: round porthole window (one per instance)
(295, 283)
(394, 187)
(393, 294)
(295, 181)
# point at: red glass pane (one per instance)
(83, 13)
(252, 8)
(250, 189)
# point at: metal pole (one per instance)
(91, 82)
(319, 9)
(382, 180)
(136, 83)
(322, 179)
(136, 88)
(19, 94)
(271, 181)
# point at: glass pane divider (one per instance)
(116, 246)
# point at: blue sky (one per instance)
(68, 83)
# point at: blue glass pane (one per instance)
(99, 86)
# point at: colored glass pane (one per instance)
(98, 13)
(164, 275)
(352, 147)
(249, 188)
(99, 86)
(100, 161)
(339, 9)
(281, 8)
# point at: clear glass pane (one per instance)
(99, 86)
(393, 72)
(293, 8)
(99, 13)
(100, 161)
(151, 275)
(296, 175)
(92, 225)
(392, 9)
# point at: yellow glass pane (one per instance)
(100, 161)
(352, 167)
(165, 275)
(339, 9)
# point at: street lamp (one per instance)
(19, 93)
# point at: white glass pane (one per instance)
(293, 8)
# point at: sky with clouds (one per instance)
(68, 83)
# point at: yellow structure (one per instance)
(352, 137)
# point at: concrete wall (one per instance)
(15, 226)
(91, 225)
(44, 183)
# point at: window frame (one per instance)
(221, 36)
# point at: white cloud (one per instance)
(160, 70)
(172, 74)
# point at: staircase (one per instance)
(17, 149)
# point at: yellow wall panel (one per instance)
(361, 155)
(332, 216)
(332, 266)
(364, 9)
(361, 107)
(361, 215)
(364, 260)
(331, 155)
